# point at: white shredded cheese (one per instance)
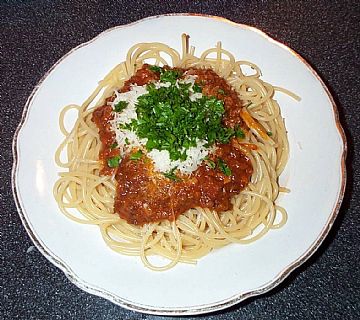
(127, 139)
(195, 155)
(162, 84)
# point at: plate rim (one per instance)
(197, 309)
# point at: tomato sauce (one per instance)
(145, 196)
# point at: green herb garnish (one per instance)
(114, 145)
(224, 167)
(171, 175)
(196, 88)
(239, 134)
(120, 106)
(166, 75)
(221, 91)
(156, 69)
(171, 121)
(269, 133)
(127, 141)
(169, 76)
(211, 164)
(136, 155)
(113, 162)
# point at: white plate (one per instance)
(315, 174)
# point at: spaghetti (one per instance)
(86, 196)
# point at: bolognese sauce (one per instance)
(144, 195)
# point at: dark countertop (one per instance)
(35, 34)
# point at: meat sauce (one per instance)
(143, 195)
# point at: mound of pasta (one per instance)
(175, 155)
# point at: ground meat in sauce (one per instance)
(213, 85)
(144, 196)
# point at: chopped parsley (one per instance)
(239, 133)
(221, 91)
(169, 76)
(136, 155)
(171, 175)
(113, 162)
(114, 145)
(269, 133)
(166, 75)
(155, 69)
(211, 164)
(120, 106)
(224, 167)
(171, 121)
(197, 88)
(220, 163)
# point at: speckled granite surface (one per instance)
(35, 34)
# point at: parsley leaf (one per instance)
(120, 106)
(170, 76)
(239, 134)
(196, 88)
(155, 69)
(114, 145)
(224, 167)
(171, 175)
(211, 164)
(136, 155)
(113, 162)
